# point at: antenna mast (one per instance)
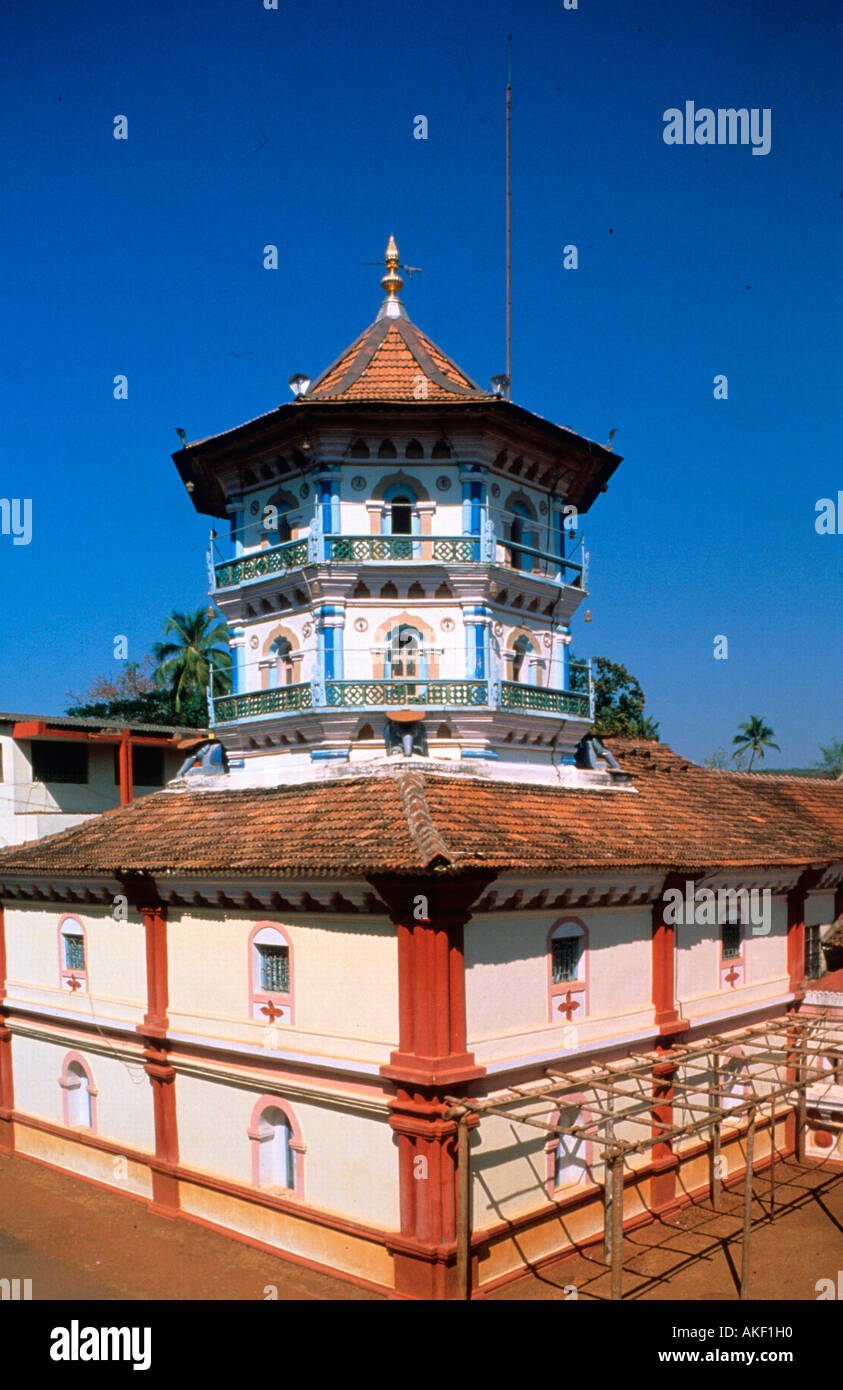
(508, 227)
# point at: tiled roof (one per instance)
(394, 361)
(681, 817)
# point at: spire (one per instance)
(392, 308)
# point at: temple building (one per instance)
(354, 988)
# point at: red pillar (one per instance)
(125, 762)
(7, 1085)
(165, 1185)
(432, 1061)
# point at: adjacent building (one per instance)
(56, 771)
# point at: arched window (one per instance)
(79, 1094)
(282, 670)
(524, 664)
(277, 1147)
(73, 955)
(275, 515)
(270, 975)
(405, 658)
(521, 533)
(735, 1084)
(571, 1165)
(401, 518)
(568, 1155)
(401, 515)
(567, 965)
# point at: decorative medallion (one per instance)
(304, 491)
(254, 507)
(543, 507)
(306, 630)
(443, 483)
(447, 624)
(496, 491)
(254, 642)
(498, 629)
(361, 625)
(547, 639)
(358, 482)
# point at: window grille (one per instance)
(275, 969)
(566, 952)
(813, 953)
(74, 953)
(731, 940)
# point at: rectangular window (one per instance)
(275, 969)
(813, 954)
(147, 766)
(74, 953)
(731, 940)
(59, 762)
(566, 954)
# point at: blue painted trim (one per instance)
(323, 754)
(481, 753)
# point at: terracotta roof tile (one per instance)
(394, 361)
(680, 817)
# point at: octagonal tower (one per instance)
(402, 560)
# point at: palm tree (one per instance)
(755, 736)
(185, 664)
(648, 727)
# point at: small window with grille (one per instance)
(74, 952)
(566, 954)
(813, 953)
(731, 940)
(275, 969)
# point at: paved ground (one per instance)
(696, 1256)
(76, 1241)
(80, 1242)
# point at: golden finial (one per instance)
(392, 282)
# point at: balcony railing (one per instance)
(284, 700)
(536, 697)
(387, 693)
(442, 550)
(391, 694)
(277, 559)
(445, 550)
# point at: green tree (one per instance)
(133, 697)
(753, 737)
(618, 699)
(832, 757)
(184, 664)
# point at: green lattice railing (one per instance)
(281, 701)
(278, 558)
(444, 549)
(533, 697)
(422, 692)
(383, 694)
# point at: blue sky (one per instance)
(249, 126)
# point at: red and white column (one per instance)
(165, 1183)
(431, 1061)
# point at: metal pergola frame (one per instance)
(647, 1081)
